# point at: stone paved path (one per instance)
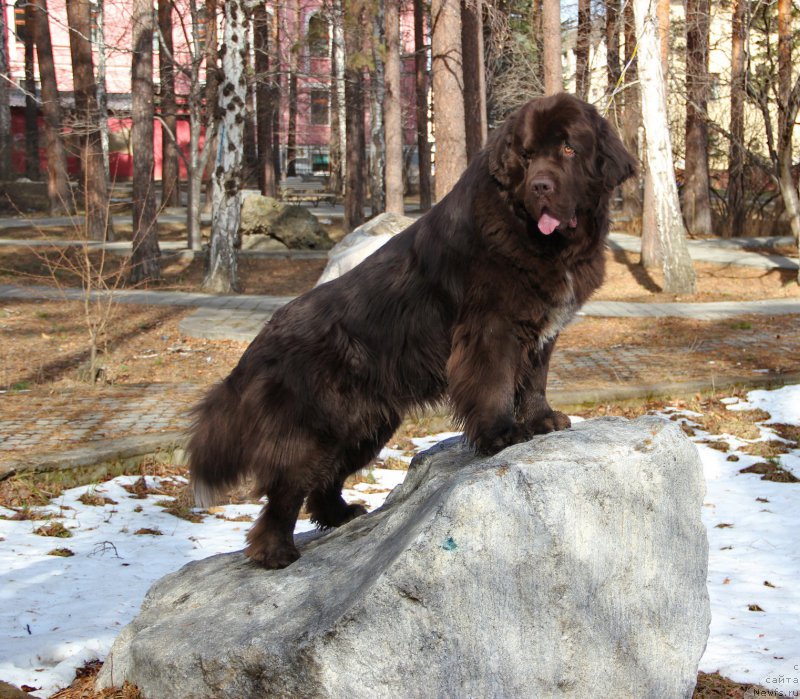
(79, 427)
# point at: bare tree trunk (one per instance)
(551, 28)
(632, 119)
(421, 111)
(696, 192)
(735, 194)
(448, 94)
(613, 71)
(170, 173)
(6, 140)
(32, 171)
(474, 76)
(377, 147)
(223, 276)
(264, 102)
(213, 115)
(98, 220)
(58, 190)
(354, 107)
(338, 112)
(145, 260)
(582, 49)
(102, 94)
(652, 253)
(537, 39)
(291, 135)
(392, 111)
(677, 265)
(784, 51)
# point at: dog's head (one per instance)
(556, 155)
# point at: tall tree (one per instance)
(421, 105)
(145, 259)
(58, 191)
(679, 274)
(99, 39)
(354, 17)
(294, 66)
(223, 275)
(32, 171)
(6, 140)
(537, 40)
(170, 173)
(735, 191)
(338, 110)
(374, 46)
(696, 191)
(613, 71)
(448, 94)
(474, 76)
(551, 28)
(87, 123)
(265, 93)
(582, 44)
(632, 115)
(392, 111)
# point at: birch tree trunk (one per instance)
(338, 108)
(145, 259)
(679, 275)
(58, 191)
(448, 94)
(551, 28)
(102, 93)
(374, 46)
(222, 276)
(392, 111)
(421, 106)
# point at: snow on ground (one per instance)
(56, 613)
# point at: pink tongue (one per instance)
(547, 224)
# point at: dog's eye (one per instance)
(567, 149)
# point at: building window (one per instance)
(320, 100)
(318, 36)
(20, 25)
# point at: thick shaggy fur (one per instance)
(466, 303)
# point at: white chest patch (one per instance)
(559, 314)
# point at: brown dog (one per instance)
(467, 302)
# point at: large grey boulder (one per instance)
(570, 566)
(361, 242)
(293, 225)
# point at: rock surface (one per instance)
(293, 225)
(361, 243)
(573, 565)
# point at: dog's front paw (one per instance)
(500, 438)
(551, 421)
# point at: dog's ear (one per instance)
(616, 164)
(505, 164)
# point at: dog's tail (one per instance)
(216, 444)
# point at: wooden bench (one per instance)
(299, 189)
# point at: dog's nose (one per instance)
(543, 185)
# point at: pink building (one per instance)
(301, 24)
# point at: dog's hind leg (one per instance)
(271, 538)
(325, 504)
